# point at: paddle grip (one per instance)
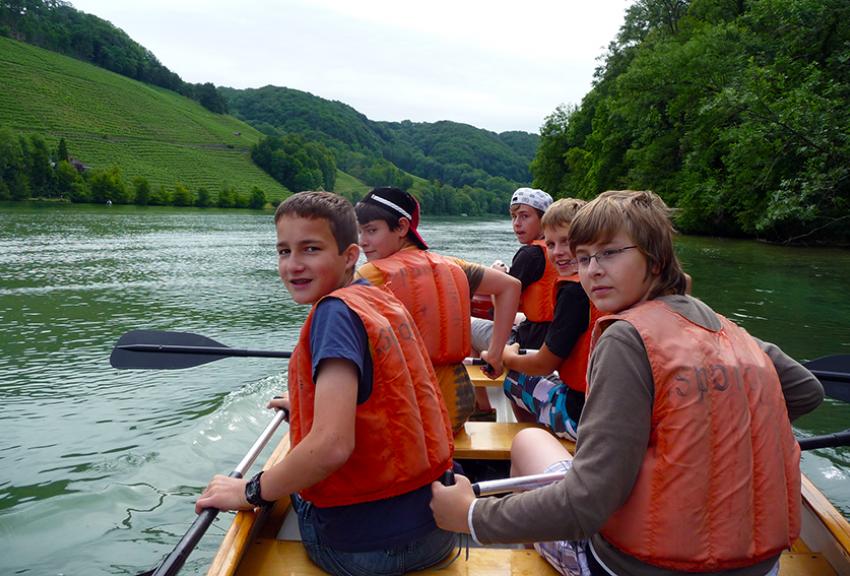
(448, 478)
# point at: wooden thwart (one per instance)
(479, 379)
(491, 440)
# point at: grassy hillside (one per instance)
(107, 119)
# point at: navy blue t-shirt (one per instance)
(337, 332)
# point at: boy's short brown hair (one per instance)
(325, 205)
(561, 213)
(646, 219)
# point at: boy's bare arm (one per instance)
(505, 290)
(540, 363)
(329, 443)
(323, 450)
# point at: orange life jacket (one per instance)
(537, 301)
(719, 487)
(482, 307)
(435, 291)
(403, 439)
(573, 369)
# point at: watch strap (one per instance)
(253, 493)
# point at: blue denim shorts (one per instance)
(415, 555)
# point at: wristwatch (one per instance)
(253, 495)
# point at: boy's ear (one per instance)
(403, 226)
(352, 253)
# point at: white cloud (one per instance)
(494, 65)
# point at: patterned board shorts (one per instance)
(568, 557)
(546, 398)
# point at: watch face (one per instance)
(252, 489)
(252, 492)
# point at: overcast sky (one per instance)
(495, 65)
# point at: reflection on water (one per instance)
(105, 465)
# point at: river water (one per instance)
(99, 468)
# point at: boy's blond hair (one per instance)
(323, 205)
(646, 219)
(561, 213)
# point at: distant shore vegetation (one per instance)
(30, 169)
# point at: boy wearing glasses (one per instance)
(686, 460)
(556, 401)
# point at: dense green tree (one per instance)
(69, 184)
(182, 196)
(209, 98)
(160, 196)
(242, 200)
(62, 151)
(295, 163)
(107, 185)
(227, 198)
(203, 198)
(14, 183)
(39, 168)
(142, 189)
(258, 198)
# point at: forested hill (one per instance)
(736, 112)
(448, 152)
(56, 25)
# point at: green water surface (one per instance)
(100, 467)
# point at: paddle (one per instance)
(160, 349)
(834, 374)
(174, 350)
(174, 561)
(489, 487)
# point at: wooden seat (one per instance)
(804, 564)
(491, 440)
(288, 558)
(477, 377)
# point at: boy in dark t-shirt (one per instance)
(538, 393)
(531, 266)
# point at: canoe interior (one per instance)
(252, 546)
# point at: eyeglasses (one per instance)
(601, 257)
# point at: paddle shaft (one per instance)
(532, 481)
(212, 350)
(175, 560)
(831, 375)
(471, 361)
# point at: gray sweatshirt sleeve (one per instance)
(613, 437)
(803, 392)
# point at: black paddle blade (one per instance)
(834, 374)
(162, 350)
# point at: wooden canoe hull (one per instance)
(251, 547)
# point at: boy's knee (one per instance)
(528, 439)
